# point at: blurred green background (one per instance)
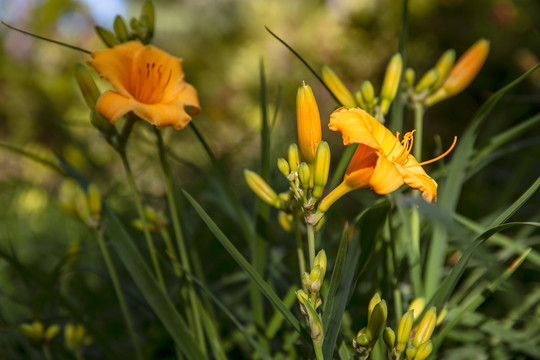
(223, 43)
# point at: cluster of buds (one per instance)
(310, 302)
(155, 220)
(88, 206)
(412, 340)
(76, 338)
(37, 332)
(306, 167)
(445, 79)
(365, 97)
(367, 337)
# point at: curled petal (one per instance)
(112, 106)
(355, 125)
(161, 115)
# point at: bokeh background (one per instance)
(223, 44)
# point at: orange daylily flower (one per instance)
(382, 161)
(148, 81)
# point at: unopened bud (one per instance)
(391, 82)
(316, 278)
(120, 29)
(321, 261)
(308, 123)
(410, 352)
(417, 305)
(294, 157)
(314, 320)
(261, 189)
(441, 316)
(404, 331)
(410, 76)
(374, 301)
(360, 99)
(148, 18)
(108, 38)
(463, 73)
(283, 167)
(389, 337)
(362, 340)
(100, 123)
(51, 332)
(337, 87)
(87, 85)
(81, 204)
(33, 331)
(376, 321)
(425, 328)
(285, 220)
(94, 201)
(303, 174)
(427, 81)
(424, 350)
(368, 94)
(444, 65)
(322, 167)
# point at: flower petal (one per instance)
(114, 65)
(361, 167)
(417, 178)
(112, 106)
(386, 177)
(161, 115)
(355, 125)
(188, 95)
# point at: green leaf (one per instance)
(46, 162)
(356, 254)
(148, 285)
(265, 288)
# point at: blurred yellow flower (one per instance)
(382, 161)
(148, 81)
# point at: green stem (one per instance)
(317, 345)
(46, 352)
(171, 252)
(395, 288)
(119, 293)
(311, 244)
(300, 251)
(148, 237)
(419, 126)
(175, 219)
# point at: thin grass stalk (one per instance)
(175, 219)
(119, 293)
(300, 250)
(171, 252)
(146, 230)
(311, 244)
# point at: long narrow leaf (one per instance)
(147, 284)
(248, 268)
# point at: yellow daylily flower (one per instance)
(382, 161)
(148, 81)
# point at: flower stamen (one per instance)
(438, 157)
(407, 143)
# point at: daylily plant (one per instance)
(148, 82)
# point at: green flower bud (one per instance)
(404, 331)
(443, 66)
(410, 352)
(337, 87)
(294, 157)
(120, 29)
(376, 321)
(427, 81)
(368, 94)
(391, 82)
(283, 167)
(261, 189)
(81, 205)
(108, 38)
(374, 301)
(389, 337)
(426, 327)
(304, 174)
(148, 19)
(360, 99)
(417, 305)
(424, 350)
(87, 85)
(94, 202)
(285, 220)
(314, 320)
(33, 331)
(51, 332)
(410, 76)
(362, 340)
(321, 261)
(322, 167)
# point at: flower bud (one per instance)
(76, 338)
(391, 82)
(427, 81)
(404, 331)
(102, 124)
(321, 261)
(360, 100)
(441, 316)
(425, 328)
(316, 278)
(148, 18)
(389, 337)
(304, 174)
(87, 85)
(376, 321)
(337, 87)
(424, 350)
(322, 166)
(308, 123)
(33, 331)
(294, 157)
(285, 220)
(283, 167)
(463, 73)
(374, 301)
(81, 205)
(108, 38)
(410, 352)
(443, 66)
(410, 77)
(94, 201)
(368, 94)
(362, 340)
(314, 320)
(417, 305)
(51, 332)
(120, 29)
(150, 214)
(261, 189)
